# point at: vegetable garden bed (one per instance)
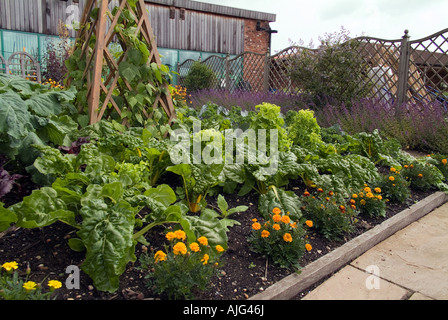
(243, 274)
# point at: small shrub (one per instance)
(199, 77)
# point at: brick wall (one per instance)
(255, 41)
(254, 65)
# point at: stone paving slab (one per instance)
(415, 257)
(350, 284)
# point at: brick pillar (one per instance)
(258, 42)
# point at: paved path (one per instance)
(411, 264)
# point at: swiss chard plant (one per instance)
(31, 113)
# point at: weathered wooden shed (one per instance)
(183, 28)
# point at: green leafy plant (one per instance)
(279, 239)
(31, 113)
(183, 267)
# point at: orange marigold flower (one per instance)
(393, 169)
(294, 225)
(180, 249)
(354, 196)
(277, 218)
(330, 193)
(276, 211)
(306, 194)
(287, 237)
(265, 234)
(309, 223)
(286, 219)
(205, 259)
(367, 189)
(420, 175)
(391, 178)
(256, 226)
(276, 226)
(180, 234)
(219, 248)
(170, 236)
(195, 247)
(444, 161)
(320, 190)
(159, 256)
(308, 247)
(203, 240)
(377, 190)
(369, 195)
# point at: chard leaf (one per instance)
(42, 208)
(107, 233)
(6, 218)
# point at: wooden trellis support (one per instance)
(103, 28)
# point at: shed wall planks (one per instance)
(192, 28)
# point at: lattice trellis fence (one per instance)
(395, 71)
(102, 72)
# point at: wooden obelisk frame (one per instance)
(100, 56)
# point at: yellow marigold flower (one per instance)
(180, 234)
(170, 236)
(265, 234)
(8, 266)
(54, 284)
(219, 248)
(369, 195)
(287, 237)
(180, 249)
(256, 226)
(276, 211)
(377, 190)
(29, 285)
(391, 178)
(393, 170)
(203, 241)
(420, 175)
(361, 194)
(309, 223)
(354, 196)
(205, 259)
(286, 219)
(367, 189)
(276, 226)
(379, 197)
(308, 247)
(195, 247)
(277, 218)
(362, 202)
(444, 161)
(353, 201)
(159, 256)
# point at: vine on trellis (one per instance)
(130, 85)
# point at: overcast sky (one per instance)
(386, 19)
